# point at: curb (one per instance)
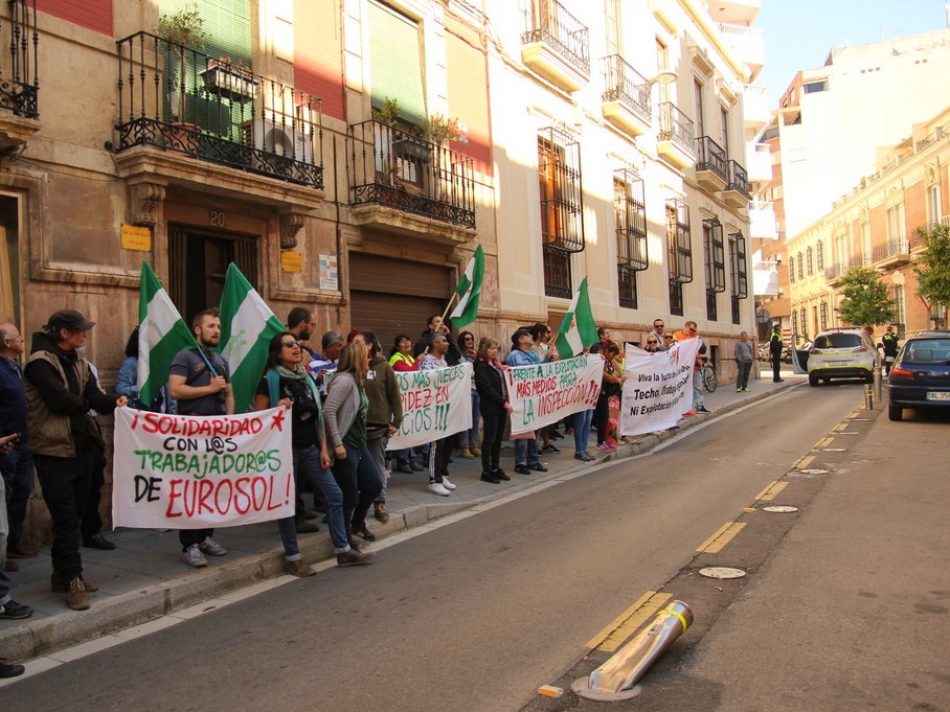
(42, 636)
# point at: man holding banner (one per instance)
(198, 379)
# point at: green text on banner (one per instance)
(191, 472)
(542, 394)
(657, 387)
(435, 404)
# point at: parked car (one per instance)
(920, 377)
(841, 353)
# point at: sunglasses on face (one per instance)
(668, 338)
(289, 344)
(651, 342)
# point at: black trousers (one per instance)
(91, 521)
(776, 367)
(493, 430)
(440, 452)
(65, 482)
(745, 368)
(187, 537)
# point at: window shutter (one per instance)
(396, 62)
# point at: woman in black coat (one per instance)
(493, 406)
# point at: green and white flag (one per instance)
(578, 329)
(162, 334)
(247, 326)
(469, 289)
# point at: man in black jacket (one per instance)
(66, 443)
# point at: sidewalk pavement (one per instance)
(145, 577)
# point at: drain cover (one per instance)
(780, 508)
(814, 471)
(835, 449)
(721, 572)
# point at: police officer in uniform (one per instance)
(775, 353)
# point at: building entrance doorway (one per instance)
(9, 262)
(198, 263)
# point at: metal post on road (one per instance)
(878, 383)
(868, 397)
(616, 678)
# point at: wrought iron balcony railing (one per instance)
(892, 248)
(738, 179)
(180, 99)
(388, 166)
(626, 84)
(549, 22)
(676, 126)
(19, 79)
(710, 156)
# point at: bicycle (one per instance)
(707, 373)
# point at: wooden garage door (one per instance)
(390, 296)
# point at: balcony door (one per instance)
(198, 262)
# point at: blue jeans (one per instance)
(698, 399)
(17, 469)
(582, 422)
(360, 482)
(526, 452)
(307, 468)
(469, 438)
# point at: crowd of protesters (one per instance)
(344, 405)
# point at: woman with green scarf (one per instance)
(287, 383)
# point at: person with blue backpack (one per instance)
(287, 383)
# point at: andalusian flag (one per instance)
(162, 334)
(247, 327)
(469, 289)
(578, 329)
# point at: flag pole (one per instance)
(455, 295)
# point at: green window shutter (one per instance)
(227, 25)
(396, 61)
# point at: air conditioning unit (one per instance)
(280, 138)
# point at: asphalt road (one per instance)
(470, 616)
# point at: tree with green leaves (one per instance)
(864, 298)
(933, 269)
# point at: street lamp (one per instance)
(664, 76)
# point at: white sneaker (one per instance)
(439, 489)
(194, 557)
(448, 485)
(212, 548)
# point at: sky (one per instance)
(800, 33)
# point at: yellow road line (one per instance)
(825, 442)
(840, 426)
(723, 535)
(749, 509)
(804, 462)
(620, 628)
(772, 491)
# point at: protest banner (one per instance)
(435, 404)
(197, 472)
(544, 393)
(657, 387)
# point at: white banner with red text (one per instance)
(657, 387)
(198, 472)
(542, 394)
(435, 404)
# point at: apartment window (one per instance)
(791, 270)
(562, 227)
(803, 318)
(899, 306)
(813, 87)
(698, 106)
(715, 265)
(395, 58)
(795, 322)
(801, 264)
(933, 204)
(739, 280)
(895, 223)
(823, 312)
(820, 255)
(679, 252)
(613, 23)
(663, 62)
(631, 233)
(724, 136)
(810, 261)
(866, 248)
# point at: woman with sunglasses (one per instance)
(287, 383)
(652, 345)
